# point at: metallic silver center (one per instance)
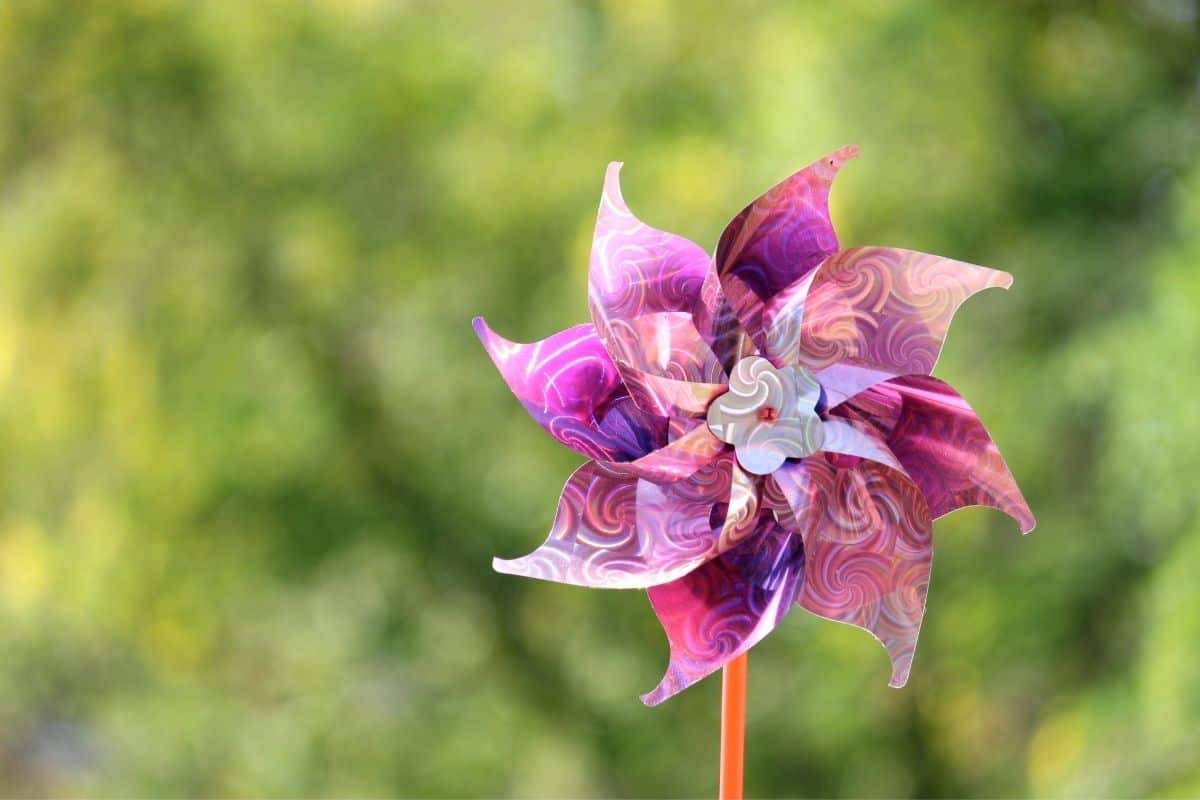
(769, 415)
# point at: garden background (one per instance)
(254, 464)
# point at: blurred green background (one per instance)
(254, 464)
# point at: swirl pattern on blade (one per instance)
(820, 498)
(642, 285)
(723, 608)
(636, 269)
(617, 532)
(665, 364)
(667, 397)
(782, 317)
(878, 582)
(942, 444)
(666, 344)
(874, 313)
(741, 513)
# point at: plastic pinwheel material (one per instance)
(761, 426)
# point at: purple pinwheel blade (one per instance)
(775, 241)
(868, 554)
(941, 443)
(875, 313)
(563, 381)
(723, 608)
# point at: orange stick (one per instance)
(733, 726)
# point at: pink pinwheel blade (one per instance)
(613, 531)
(868, 556)
(723, 608)
(636, 269)
(665, 364)
(642, 286)
(663, 343)
(821, 499)
(669, 397)
(942, 444)
(875, 313)
(678, 459)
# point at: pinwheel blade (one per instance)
(776, 240)
(879, 581)
(562, 381)
(613, 531)
(723, 608)
(943, 445)
(874, 313)
(642, 286)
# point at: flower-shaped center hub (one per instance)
(768, 415)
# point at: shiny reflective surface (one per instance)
(768, 414)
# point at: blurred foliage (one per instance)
(254, 465)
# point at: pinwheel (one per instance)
(761, 427)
